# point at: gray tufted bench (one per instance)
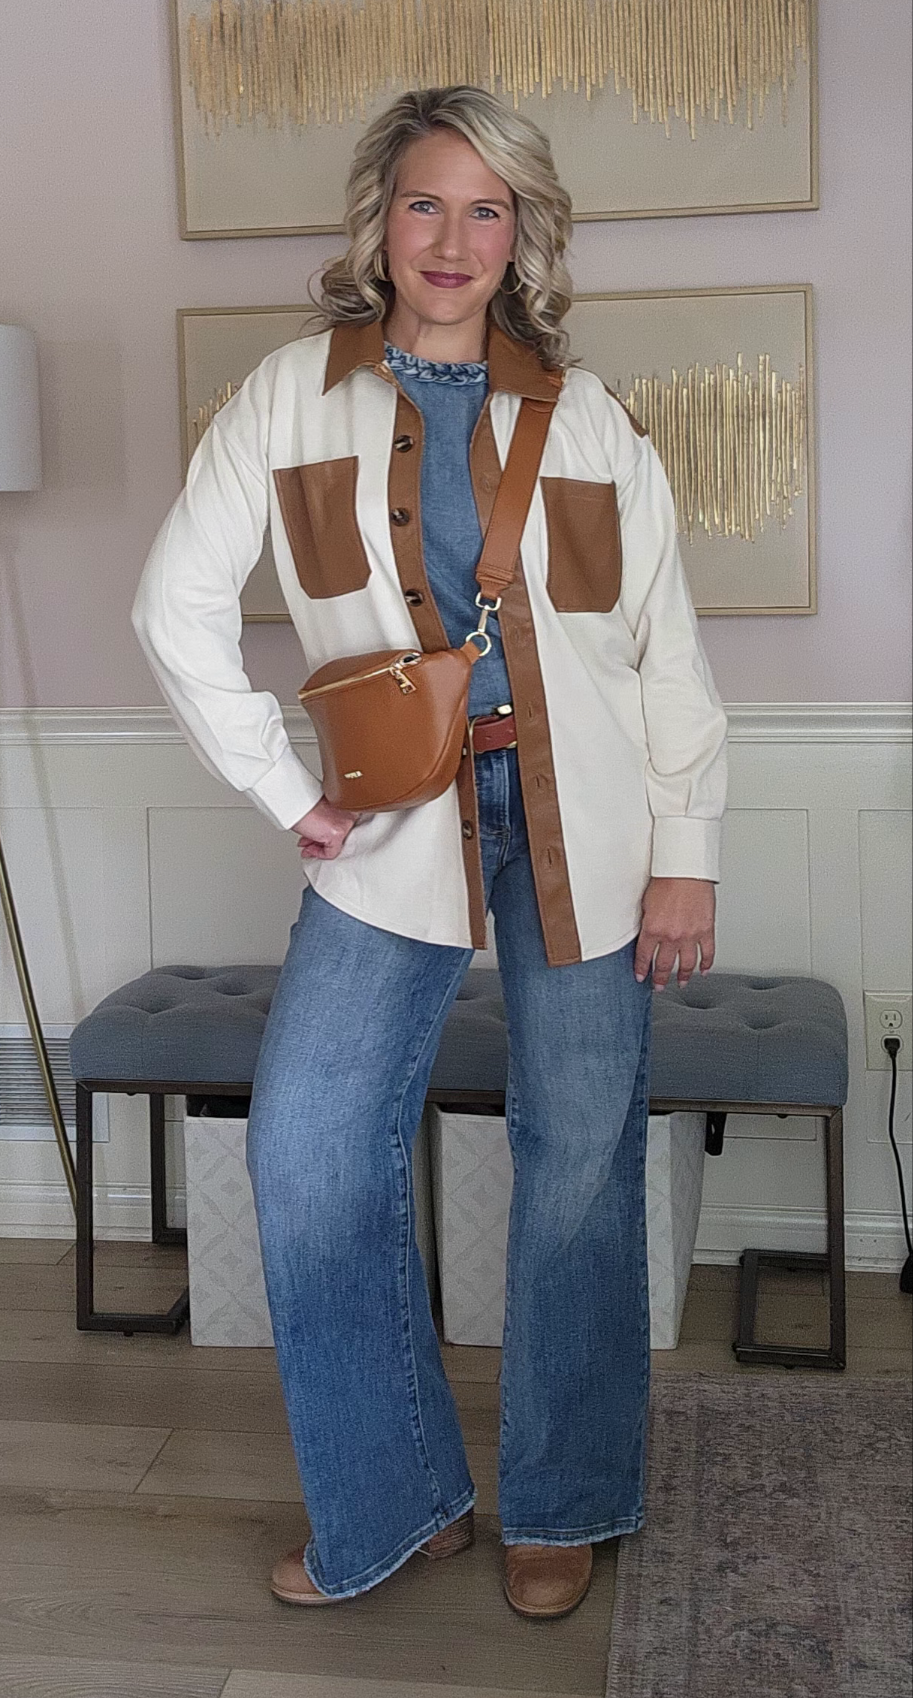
(730, 1043)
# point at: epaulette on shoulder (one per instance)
(640, 430)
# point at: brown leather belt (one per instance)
(494, 731)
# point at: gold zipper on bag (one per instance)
(395, 669)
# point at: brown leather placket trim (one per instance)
(404, 491)
(534, 744)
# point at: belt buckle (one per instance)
(502, 711)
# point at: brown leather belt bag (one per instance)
(391, 725)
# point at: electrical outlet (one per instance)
(888, 1016)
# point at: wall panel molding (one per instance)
(749, 722)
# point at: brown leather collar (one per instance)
(512, 364)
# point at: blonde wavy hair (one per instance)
(354, 288)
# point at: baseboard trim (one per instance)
(44, 1210)
(874, 1243)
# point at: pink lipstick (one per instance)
(446, 279)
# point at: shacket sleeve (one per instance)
(187, 613)
(686, 771)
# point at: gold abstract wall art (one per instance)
(653, 107)
(732, 444)
(303, 61)
(722, 381)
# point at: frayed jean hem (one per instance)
(572, 1536)
(381, 1570)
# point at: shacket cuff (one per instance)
(287, 792)
(686, 848)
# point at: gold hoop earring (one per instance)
(516, 288)
(380, 265)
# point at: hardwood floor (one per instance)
(147, 1486)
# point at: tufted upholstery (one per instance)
(740, 1037)
(731, 1037)
(177, 1023)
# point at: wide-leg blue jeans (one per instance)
(337, 1099)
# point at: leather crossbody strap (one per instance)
(515, 492)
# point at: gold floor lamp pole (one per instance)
(28, 1000)
(20, 468)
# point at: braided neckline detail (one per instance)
(435, 371)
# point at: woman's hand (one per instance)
(678, 917)
(323, 831)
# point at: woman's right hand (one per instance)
(323, 831)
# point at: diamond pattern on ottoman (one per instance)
(227, 1290)
(228, 1303)
(472, 1181)
(675, 1184)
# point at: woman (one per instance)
(587, 819)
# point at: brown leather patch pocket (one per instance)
(584, 545)
(317, 503)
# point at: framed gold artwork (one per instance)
(722, 381)
(654, 108)
(720, 378)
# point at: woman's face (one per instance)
(450, 230)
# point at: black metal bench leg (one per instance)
(836, 1235)
(85, 1231)
(162, 1233)
(88, 1318)
(800, 1261)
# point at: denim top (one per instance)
(450, 395)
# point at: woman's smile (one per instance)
(446, 279)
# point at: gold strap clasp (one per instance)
(486, 607)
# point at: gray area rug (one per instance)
(775, 1556)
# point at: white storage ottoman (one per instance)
(227, 1291)
(472, 1179)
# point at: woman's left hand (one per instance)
(678, 919)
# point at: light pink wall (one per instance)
(90, 259)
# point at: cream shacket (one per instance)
(622, 736)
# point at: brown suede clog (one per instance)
(546, 1580)
(291, 1582)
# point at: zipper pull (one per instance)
(405, 684)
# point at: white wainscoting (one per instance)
(124, 853)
